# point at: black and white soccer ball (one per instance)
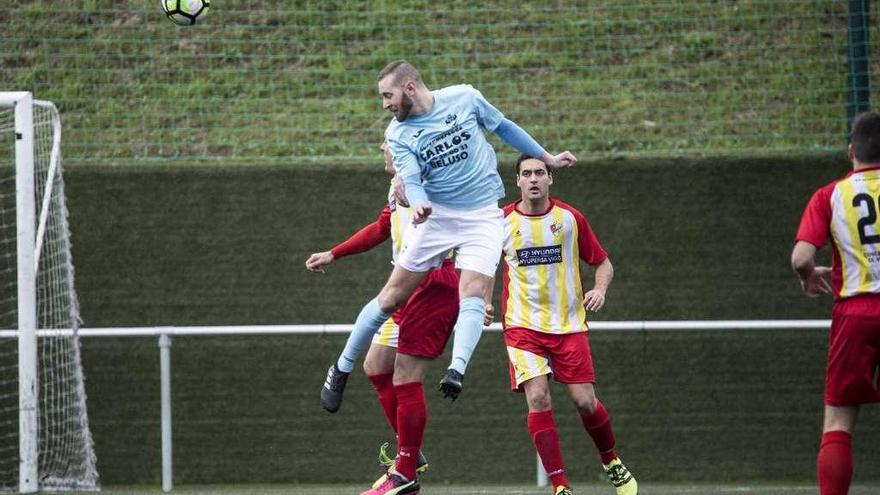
(184, 12)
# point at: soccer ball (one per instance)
(184, 12)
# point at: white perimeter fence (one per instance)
(164, 334)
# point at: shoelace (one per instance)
(618, 474)
(387, 461)
(384, 458)
(334, 380)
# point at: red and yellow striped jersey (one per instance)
(401, 216)
(542, 288)
(846, 211)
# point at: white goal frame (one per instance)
(55, 447)
(25, 219)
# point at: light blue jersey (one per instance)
(447, 148)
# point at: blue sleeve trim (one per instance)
(519, 139)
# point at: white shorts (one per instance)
(476, 235)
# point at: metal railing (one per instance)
(165, 334)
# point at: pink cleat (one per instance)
(395, 484)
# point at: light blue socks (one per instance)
(468, 330)
(367, 324)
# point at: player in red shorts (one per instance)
(415, 334)
(544, 318)
(846, 212)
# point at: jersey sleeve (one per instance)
(588, 244)
(487, 115)
(367, 237)
(816, 220)
(405, 161)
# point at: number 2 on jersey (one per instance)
(868, 220)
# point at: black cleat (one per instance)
(331, 392)
(450, 385)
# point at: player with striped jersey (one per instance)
(418, 331)
(845, 212)
(543, 308)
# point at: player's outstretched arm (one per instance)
(363, 240)
(813, 278)
(520, 140)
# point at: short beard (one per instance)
(405, 108)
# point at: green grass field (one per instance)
(586, 489)
(295, 83)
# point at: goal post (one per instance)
(42, 377)
(25, 221)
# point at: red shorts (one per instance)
(854, 353)
(427, 319)
(565, 356)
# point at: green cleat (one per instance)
(621, 478)
(563, 490)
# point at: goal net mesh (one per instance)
(66, 454)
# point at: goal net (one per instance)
(46, 443)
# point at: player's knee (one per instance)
(408, 369)
(474, 288)
(839, 418)
(374, 366)
(379, 360)
(388, 301)
(586, 404)
(473, 284)
(539, 400)
(370, 368)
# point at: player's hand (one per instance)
(594, 300)
(318, 261)
(421, 213)
(400, 192)
(489, 317)
(562, 160)
(816, 284)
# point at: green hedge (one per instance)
(690, 239)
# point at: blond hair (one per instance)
(401, 70)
